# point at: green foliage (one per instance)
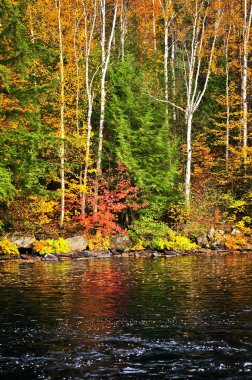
(159, 243)
(143, 139)
(8, 248)
(148, 229)
(58, 246)
(158, 235)
(6, 187)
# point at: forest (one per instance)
(127, 117)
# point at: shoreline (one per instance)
(110, 254)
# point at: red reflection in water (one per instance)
(102, 295)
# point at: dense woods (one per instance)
(125, 115)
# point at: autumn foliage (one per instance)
(117, 198)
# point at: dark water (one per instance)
(178, 318)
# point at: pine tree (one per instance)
(142, 140)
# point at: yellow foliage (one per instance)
(138, 246)
(98, 242)
(42, 209)
(8, 248)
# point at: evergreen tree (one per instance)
(142, 140)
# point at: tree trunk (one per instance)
(105, 62)
(246, 34)
(189, 118)
(154, 27)
(174, 115)
(123, 22)
(227, 103)
(166, 49)
(89, 85)
(62, 118)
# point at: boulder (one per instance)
(217, 244)
(77, 243)
(211, 233)
(50, 257)
(22, 241)
(202, 241)
(120, 242)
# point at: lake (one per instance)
(187, 317)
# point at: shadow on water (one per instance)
(178, 318)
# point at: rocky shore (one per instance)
(121, 247)
(113, 254)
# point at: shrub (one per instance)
(158, 235)
(159, 244)
(8, 248)
(233, 242)
(181, 243)
(137, 246)
(98, 242)
(44, 247)
(148, 230)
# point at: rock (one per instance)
(221, 232)
(202, 241)
(170, 253)
(211, 233)
(114, 252)
(217, 244)
(105, 255)
(22, 241)
(50, 257)
(125, 254)
(155, 254)
(120, 242)
(77, 243)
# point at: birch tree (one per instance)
(123, 26)
(106, 45)
(90, 17)
(193, 70)
(227, 70)
(62, 116)
(167, 10)
(247, 16)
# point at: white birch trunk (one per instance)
(62, 117)
(89, 85)
(174, 115)
(166, 50)
(76, 60)
(227, 101)
(246, 35)
(32, 38)
(106, 51)
(192, 73)
(123, 27)
(188, 119)
(154, 27)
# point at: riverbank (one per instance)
(110, 254)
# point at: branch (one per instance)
(165, 101)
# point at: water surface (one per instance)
(176, 318)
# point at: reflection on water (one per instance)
(177, 318)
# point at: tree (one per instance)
(106, 45)
(142, 141)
